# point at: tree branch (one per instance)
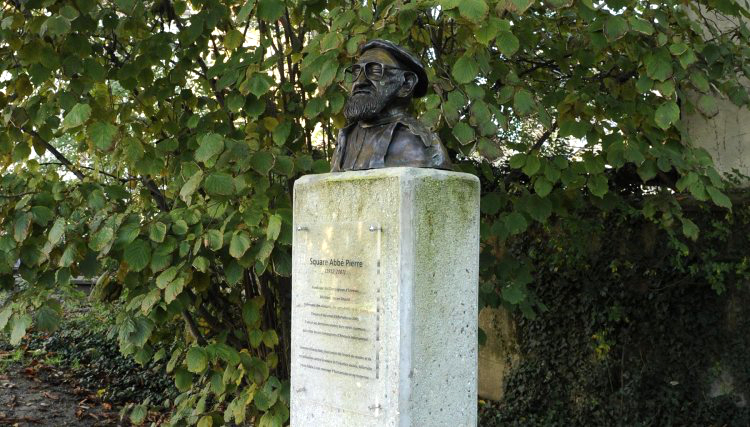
(58, 155)
(161, 201)
(193, 327)
(545, 136)
(123, 180)
(10, 196)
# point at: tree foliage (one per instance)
(153, 145)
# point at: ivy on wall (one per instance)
(637, 331)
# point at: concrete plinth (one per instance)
(384, 319)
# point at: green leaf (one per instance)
(523, 102)
(520, 6)
(138, 414)
(21, 227)
(678, 49)
(465, 69)
(233, 39)
(514, 293)
(201, 264)
(281, 132)
(532, 165)
(57, 25)
(217, 384)
(255, 337)
(598, 186)
(262, 162)
(615, 27)
(659, 65)
(491, 203)
(190, 186)
(183, 379)
(270, 338)
(517, 161)
(68, 256)
(707, 105)
(487, 32)
(137, 255)
(5, 314)
(449, 4)
(47, 319)
(270, 10)
(644, 84)
(260, 83)
(206, 421)
(166, 276)
(57, 231)
(102, 135)
(69, 12)
(689, 229)
(473, 10)
(132, 149)
(233, 272)
(157, 232)
(516, 223)
(41, 215)
(211, 145)
(463, 133)
(77, 116)
(265, 398)
(719, 198)
(667, 114)
(214, 240)
(274, 227)
(244, 12)
(219, 183)
(235, 102)
(647, 170)
(508, 43)
(542, 186)
(700, 82)
(239, 244)
(96, 200)
(641, 26)
(180, 227)
(405, 19)
(251, 314)
(18, 327)
(174, 288)
(314, 107)
(151, 298)
(101, 238)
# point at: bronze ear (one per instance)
(408, 85)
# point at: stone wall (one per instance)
(726, 136)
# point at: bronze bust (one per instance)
(380, 133)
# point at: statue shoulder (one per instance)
(422, 132)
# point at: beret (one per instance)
(404, 57)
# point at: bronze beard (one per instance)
(368, 106)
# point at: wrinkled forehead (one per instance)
(377, 54)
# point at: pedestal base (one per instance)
(384, 319)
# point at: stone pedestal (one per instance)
(384, 318)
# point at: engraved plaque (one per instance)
(337, 316)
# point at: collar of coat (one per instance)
(415, 127)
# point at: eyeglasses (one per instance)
(373, 71)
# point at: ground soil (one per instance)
(37, 395)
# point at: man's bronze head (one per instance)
(384, 77)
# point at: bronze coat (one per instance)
(393, 141)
